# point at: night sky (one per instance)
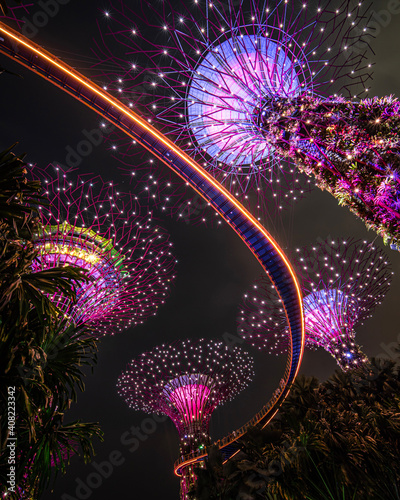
(214, 270)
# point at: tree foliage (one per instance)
(42, 355)
(336, 440)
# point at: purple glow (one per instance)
(342, 282)
(65, 245)
(326, 314)
(186, 381)
(206, 70)
(221, 103)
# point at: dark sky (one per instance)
(214, 269)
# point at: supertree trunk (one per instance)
(186, 381)
(347, 353)
(351, 148)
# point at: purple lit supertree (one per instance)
(89, 224)
(186, 381)
(342, 283)
(212, 72)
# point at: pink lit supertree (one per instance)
(186, 381)
(212, 71)
(342, 283)
(91, 225)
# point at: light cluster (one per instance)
(342, 283)
(210, 69)
(90, 224)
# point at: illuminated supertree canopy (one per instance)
(342, 283)
(213, 70)
(90, 224)
(186, 381)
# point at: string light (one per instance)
(234, 74)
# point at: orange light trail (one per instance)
(131, 115)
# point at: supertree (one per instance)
(342, 282)
(215, 72)
(89, 224)
(186, 381)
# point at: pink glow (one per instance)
(95, 299)
(190, 400)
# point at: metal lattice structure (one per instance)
(209, 69)
(343, 281)
(186, 381)
(90, 224)
(16, 14)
